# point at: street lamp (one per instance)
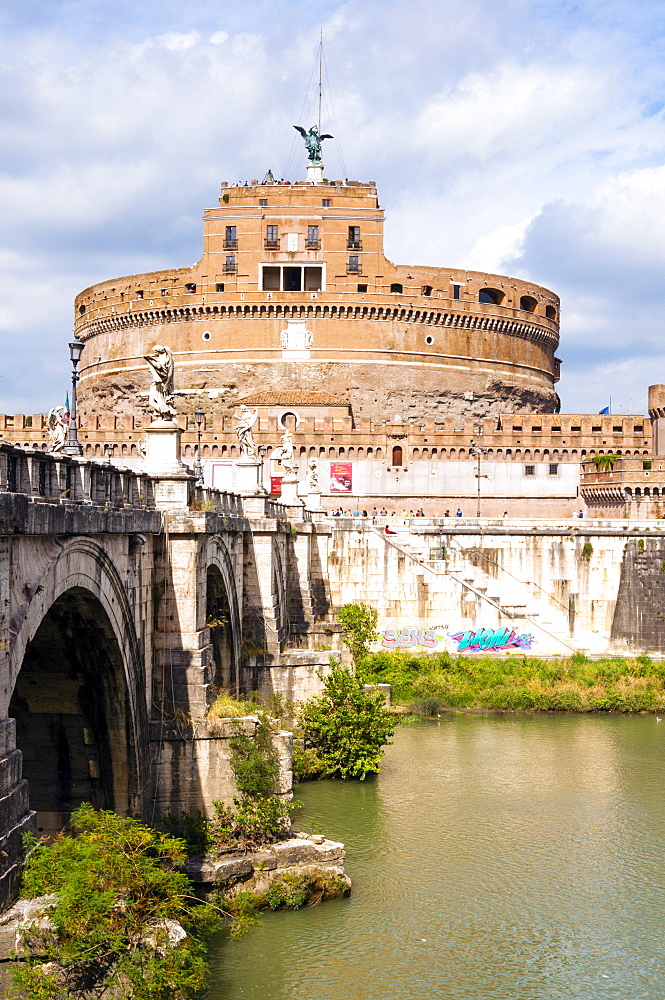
(108, 448)
(199, 415)
(73, 446)
(262, 455)
(476, 450)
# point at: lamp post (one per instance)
(476, 450)
(108, 448)
(199, 415)
(262, 455)
(73, 446)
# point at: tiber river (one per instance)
(495, 857)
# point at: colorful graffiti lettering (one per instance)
(403, 638)
(491, 638)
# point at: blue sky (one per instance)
(521, 137)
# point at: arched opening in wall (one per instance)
(379, 454)
(491, 296)
(528, 303)
(550, 312)
(397, 455)
(219, 621)
(72, 714)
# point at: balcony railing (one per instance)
(354, 245)
(230, 244)
(271, 244)
(230, 268)
(313, 245)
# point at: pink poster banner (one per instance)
(341, 477)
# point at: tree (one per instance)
(346, 726)
(115, 927)
(359, 622)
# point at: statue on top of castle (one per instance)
(57, 430)
(246, 419)
(160, 399)
(313, 142)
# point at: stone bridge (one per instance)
(122, 614)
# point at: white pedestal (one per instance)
(248, 477)
(315, 173)
(162, 449)
(289, 497)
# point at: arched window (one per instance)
(491, 296)
(396, 287)
(528, 303)
(550, 312)
(397, 455)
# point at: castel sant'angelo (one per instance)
(400, 372)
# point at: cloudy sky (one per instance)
(520, 136)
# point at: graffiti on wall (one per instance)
(491, 638)
(404, 638)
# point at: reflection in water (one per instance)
(494, 857)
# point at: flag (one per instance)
(65, 412)
(606, 410)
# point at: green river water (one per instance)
(494, 857)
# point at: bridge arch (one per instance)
(222, 606)
(78, 689)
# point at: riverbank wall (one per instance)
(596, 587)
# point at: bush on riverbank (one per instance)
(576, 684)
(120, 906)
(346, 727)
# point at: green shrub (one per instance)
(307, 765)
(254, 759)
(359, 623)
(251, 823)
(116, 883)
(587, 551)
(347, 727)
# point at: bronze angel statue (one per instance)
(313, 142)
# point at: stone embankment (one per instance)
(301, 854)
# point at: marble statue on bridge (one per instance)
(160, 399)
(246, 420)
(57, 430)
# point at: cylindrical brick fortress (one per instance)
(293, 291)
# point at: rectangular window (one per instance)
(190, 286)
(139, 294)
(263, 202)
(292, 279)
(272, 234)
(219, 287)
(646, 464)
(618, 429)
(596, 430)
(165, 291)
(536, 430)
(638, 429)
(354, 264)
(529, 470)
(457, 291)
(426, 290)
(231, 234)
(354, 237)
(326, 203)
(556, 430)
(313, 279)
(554, 469)
(230, 262)
(517, 427)
(362, 288)
(575, 430)
(271, 277)
(312, 237)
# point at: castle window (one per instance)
(353, 267)
(272, 238)
(312, 279)
(219, 287)
(190, 286)
(231, 238)
(646, 465)
(554, 469)
(362, 288)
(397, 455)
(517, 427)
(528, 303)
(529, 470)
(429, 340)
(353, 242)
(575, 430)
(396, 287)
(427, 290)
(230, 263)
(326, 203)
(457, 291)
(81, 310)
(139, 294)
(556, 430)
(263, 202)
(550, 312)
(618, 429)
(292, 279)
(165, 291)
(490, 296)
(638, 428)
(312, 238)
(596, 430)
